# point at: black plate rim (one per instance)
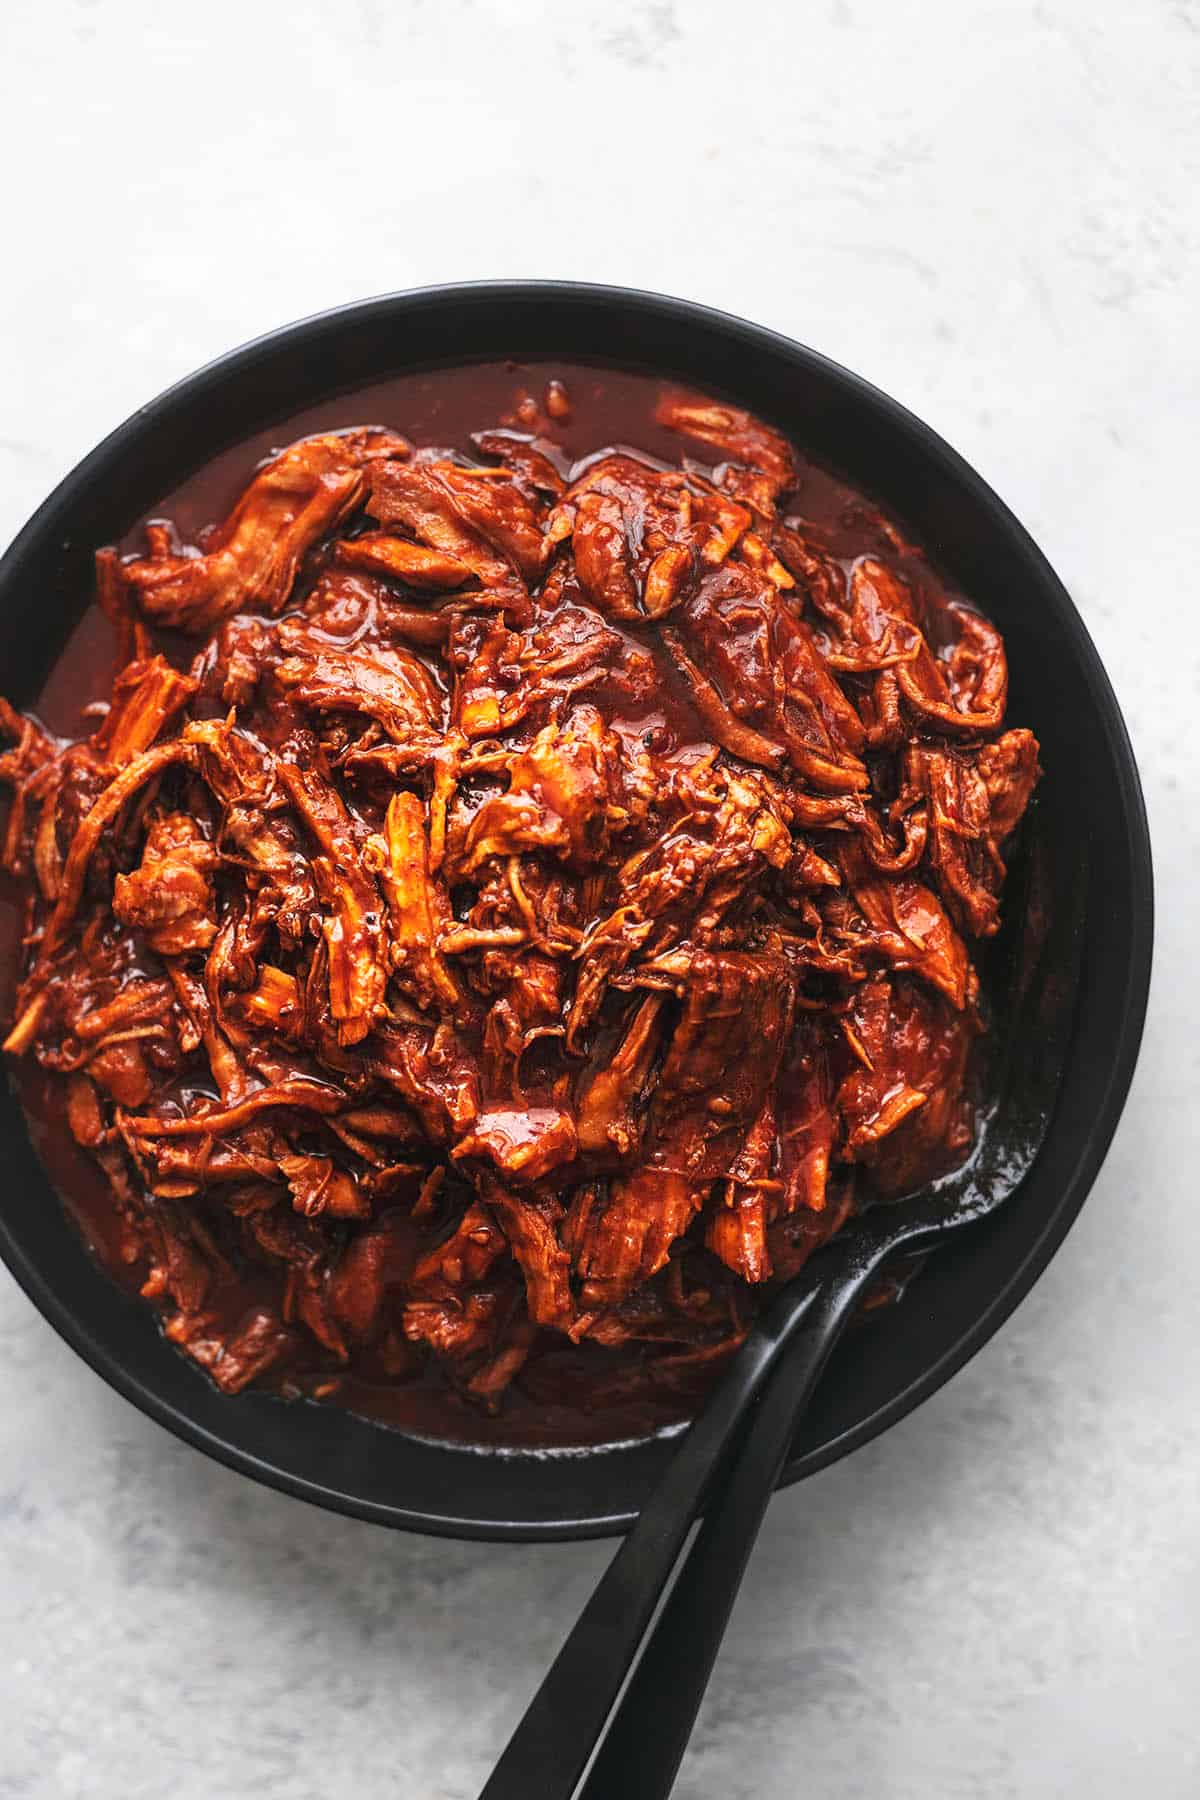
(684, 313)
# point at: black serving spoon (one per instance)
(728, 1464)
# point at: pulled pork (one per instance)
(538, 914)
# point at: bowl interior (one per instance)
(1089, 802)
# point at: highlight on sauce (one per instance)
(515, 902)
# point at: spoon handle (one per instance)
(649, 1730)
(552, 1745)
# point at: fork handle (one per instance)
(551, 1747)
(649, 1730)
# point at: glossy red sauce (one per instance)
(598, 1395)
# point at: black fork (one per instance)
(633, 1730)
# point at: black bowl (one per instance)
(1090, 797)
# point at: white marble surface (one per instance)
(991, 210)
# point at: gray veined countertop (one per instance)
(990, 211)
